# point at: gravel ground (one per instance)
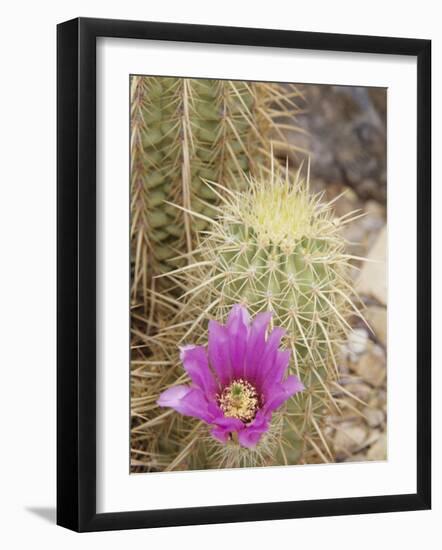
(346, 133)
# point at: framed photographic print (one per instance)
(243, 274)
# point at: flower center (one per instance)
(239, 400)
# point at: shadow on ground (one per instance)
(46, 513)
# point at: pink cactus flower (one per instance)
(238, 381)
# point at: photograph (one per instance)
(258, 274)
(219, 317)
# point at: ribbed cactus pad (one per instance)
(184, 131)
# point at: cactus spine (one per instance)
(184, 131)
(276, 246)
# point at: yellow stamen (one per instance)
(239, 400)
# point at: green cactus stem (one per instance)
(184, 131)
(276, 246)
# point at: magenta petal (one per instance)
(270, 355)
(221, 434)
(256, 344)
(196, 364)
(214, 409)
(238, 314)
(249, 438)
(224, 426)
(251, 434)
(188, 401)
(172, 396)
(236, 350)
(238, 331)
(274, 339)
(293, 385)
(195, 404)
(274, 372)
(279, 393)
(228, 423)
(219, 355)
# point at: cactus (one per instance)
(216, 223)
(184, 131)
(276, 246)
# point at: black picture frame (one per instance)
(77, 287)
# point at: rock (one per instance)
(371, 366)
(379, 399)
(358, 457)
(375, 210)
(377, 318)
(373, 436)
(354, 233)
(361, 390)
(378, 451)
(349, 438)
(375, 417)
(372, 280)
(357, 342)
(374, 218)
(348, 201)
(367, 186)
(346, 135)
